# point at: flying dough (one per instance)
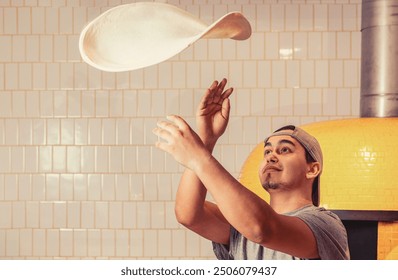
(138, 35)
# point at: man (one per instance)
(240, 224)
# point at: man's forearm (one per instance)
(191, 194)
(243, 209)
(190, 190)
(197, 214)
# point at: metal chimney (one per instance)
(379, 62)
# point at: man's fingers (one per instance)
(227, 93)
(213, 85)
(162, 146)
(216, 89)
(222, 85)
(168, 126)
(168, 130)
(207, 98)
(178, 121)
(218, 92)
(158, 144)
(214, 95)
(162, 133)
(225, 108)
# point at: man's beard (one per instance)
(270, 185)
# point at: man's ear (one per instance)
(314, 168)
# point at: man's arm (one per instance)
(191, 208)
(245, 211)
(252, 216)
(194, 212)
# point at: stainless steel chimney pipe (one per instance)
(379, 59)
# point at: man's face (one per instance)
(284, 165)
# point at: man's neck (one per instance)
(282, 203)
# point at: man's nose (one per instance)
(272, 158)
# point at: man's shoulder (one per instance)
(312, 210)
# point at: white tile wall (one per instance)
(79, 174)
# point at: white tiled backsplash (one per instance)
(79, 174)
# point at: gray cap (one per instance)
(311, 145)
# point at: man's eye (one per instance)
(267, 152)
(285, 150)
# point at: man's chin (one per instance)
(270, 186)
